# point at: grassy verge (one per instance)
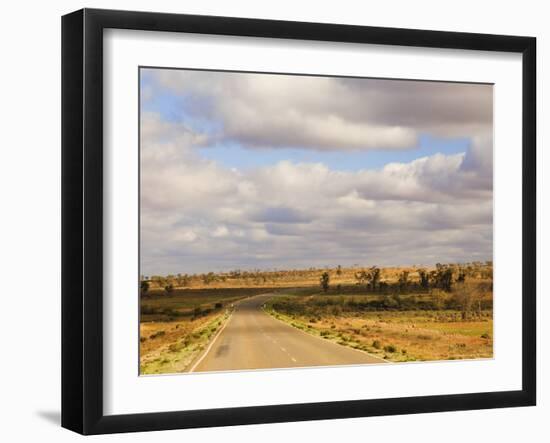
(395, 335)
(177, 344)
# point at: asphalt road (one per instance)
(252, 339)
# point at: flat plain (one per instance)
(315, 317)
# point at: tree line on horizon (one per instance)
(442, 276)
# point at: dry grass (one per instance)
(168, 347)
(396, 322)
(396, 335)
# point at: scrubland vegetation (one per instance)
(400, 314)
(407, 332)
(378, 279)
(445, 313)
(176, 325)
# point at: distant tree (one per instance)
(339, 270)
(371, 278)
(183, 280)
(424, 279)
(464, 295)
(325, 281)
(442, 277)
(209, 278)
(447, 279)
(169, 288)
(403, 281)
(374, 278)
(235, 274)
(144, 287)
(361, 277)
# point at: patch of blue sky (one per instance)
(146, 77)
(233, 155)
(190, 111)
(193, 112)
(170, 107)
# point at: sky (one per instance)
(273, 171)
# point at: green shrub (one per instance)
(390, 348)
(376, 344)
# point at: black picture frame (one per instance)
(82, 220)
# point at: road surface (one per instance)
(252, 339)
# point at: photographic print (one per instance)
(292, 221)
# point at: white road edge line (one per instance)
(198, 362)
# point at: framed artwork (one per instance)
(268, 221)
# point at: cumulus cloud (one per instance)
(198, 215)
(322, 113)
